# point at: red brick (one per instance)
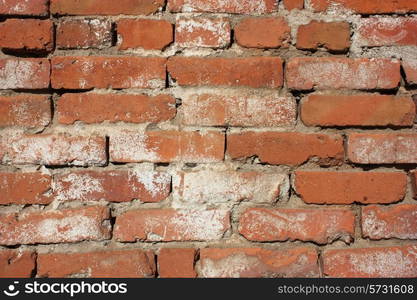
(97, 108)
(382, 148)
(47, 227)
(146, 34)
(271, 32)
(260, 109)
(410, 69)
(287, 148)
(105, 72)
(17, 264)
(24, 7)
(210, 186)
(99, 264)
(27, 111)
(176, 263)
(308, 73)
(26, 34)
(24, 73)
(167, 146)
(368, 6)
(386, 222)
(24, 188)
(321, 226)
(166, 225)
(357, 110)
(106, 7)
(316, 187)
(255, 72)
(334, 36)
(257, 262)
(388, 262)
(224, 6)
(373, 32)
(414, 183)
(50, 149)
(84, 34)
(114, 186)
(202, 32)
(294, 4)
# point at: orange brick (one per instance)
(97, 108)
(269, 32)
(165, 225)
(257, 262)
(99, 264)
(17, 264)
(48, 227)
(321, 226)
(146, 34)
(28, 111)
(24, 73)
(176, 263)
(339, 187)
(287, 148)
(224, 6)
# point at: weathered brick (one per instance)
(357, 110)
(257, 262)
(202, 32)
(146, 34)
(24, 7)
(288, 148)
(414, 183)
(114, 186)
(209, 187)
(271, 32)
(106, 7)
(294, 4)
(255, 72)
(28, 111)
(316, 187)
(382, 148)
(308, 73)
(167, 146)
(84, 34)
(378, 262)
(334, 36)
(50, 149)
(373, 32)
(224, 6)
(165, 225)
(410, 69)
(97, 108)
(385, 222)
(24, 73)
(368, 6)
(176, 263)
(24, 188)
(105, 72)
(321, 226)
(26, 34)
(241, 109)
(63, 226)
(99, 264)
(17, 264)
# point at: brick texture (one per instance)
(208, 138)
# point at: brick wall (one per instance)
(221, 138)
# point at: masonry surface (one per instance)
(196, 138)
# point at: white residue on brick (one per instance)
(238, 6)
(132, 146)
(211, 187)
(218, 31)
(76, 186)
(232, 266)
(385, 263)
(16, 73)
(155, 183)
